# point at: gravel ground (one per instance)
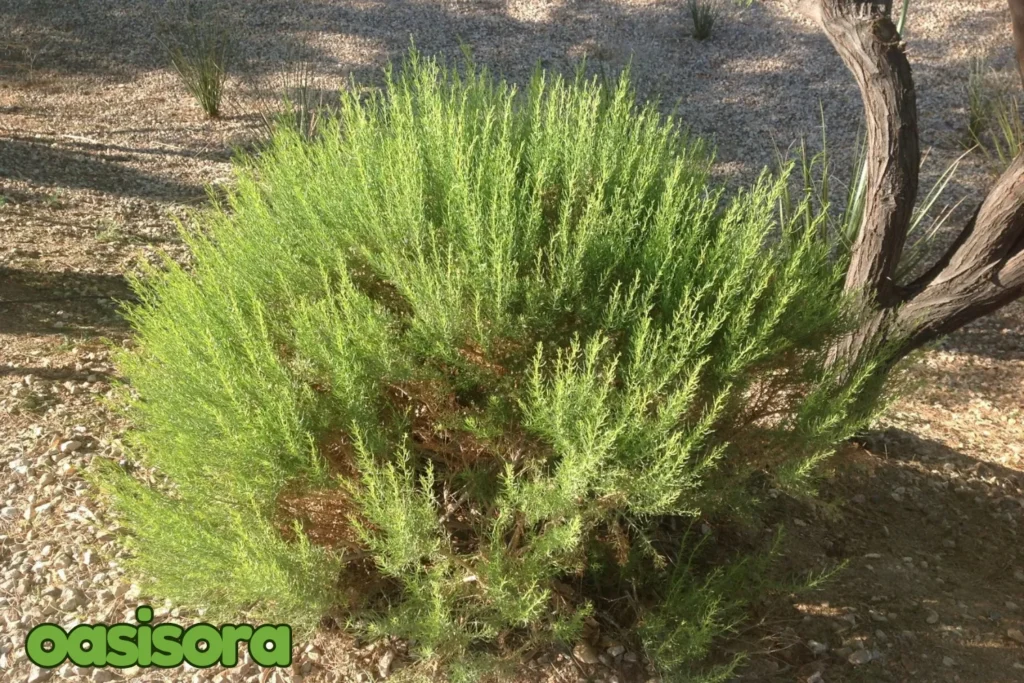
(100, 149)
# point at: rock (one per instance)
(585, 653)
(859, 657)
(932, 616)
(1015, 635)
(38, 675)
(616, 650)
(948, 661)
(19, 465)
(102, 676)
(815, 678)
(1019, 575)
(384, 663)
(817, 648)
(70, 446)
(9, 512)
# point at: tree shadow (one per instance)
(930, 538)
(58, 374)
(100, 146)
(59, 167)
(35, 303)
(998, 335)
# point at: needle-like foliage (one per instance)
(459, 369)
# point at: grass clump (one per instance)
(704, 14)
(199, 45)
(994, 122)
(299, 102)
(464, 367)
(979, 100)
(1007, 134)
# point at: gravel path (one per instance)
(100, 149)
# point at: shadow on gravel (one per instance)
(997, 336)
(931, 538)
(99, 146)
(56, 374)
(61, 303)
(41, 163)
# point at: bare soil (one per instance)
(101, 150)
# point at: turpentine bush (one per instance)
(466, 367)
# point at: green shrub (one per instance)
(199, 45)
(704, 14)
(462, 368)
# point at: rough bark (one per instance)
(872, 51)
(984, 267)
(982, 274)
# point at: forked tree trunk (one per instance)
(984, 267)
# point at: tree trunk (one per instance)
(1017, 19)
(984, 267)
